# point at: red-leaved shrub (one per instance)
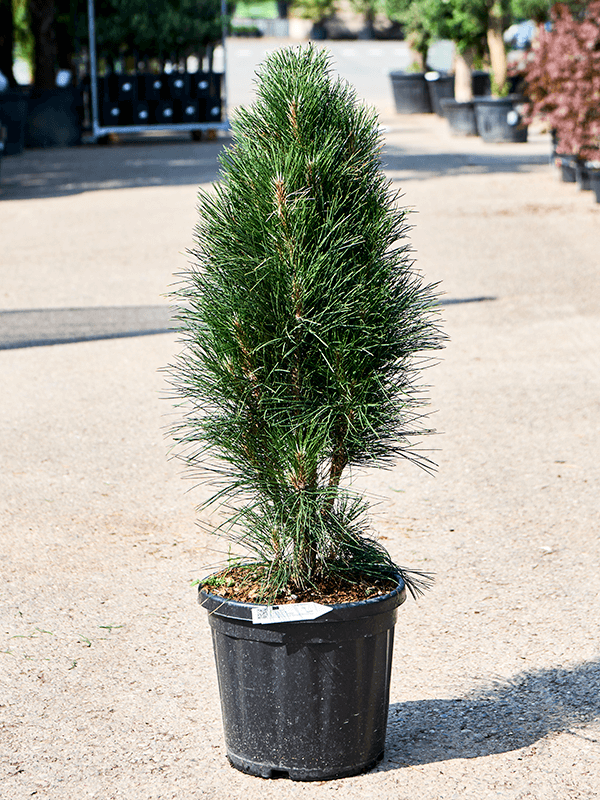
(562, 78)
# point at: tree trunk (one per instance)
(368, 32)
(418, 48)
(463, 83)
(42, 14)
(496, 47)
(7, 41)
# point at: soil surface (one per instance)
(237, 583)
(108, 686)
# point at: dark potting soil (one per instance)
(242, 584)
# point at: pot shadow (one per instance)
(500, 719)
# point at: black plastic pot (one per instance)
(566, 164)
(13, 113)
(595, 181)
(460, 116)
(440, 86)
(411, 95)
(554, 140)
(305, 700)
(582, 176)
(499, 120)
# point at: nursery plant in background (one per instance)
(562, 77)
(319, 11)
(411, 93)
(303, 322)
(418, 37)
(465, 23)
(476, 27)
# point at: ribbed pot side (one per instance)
(308, 700)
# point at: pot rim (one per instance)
(234, 609)
(398, 73)
(510, 99)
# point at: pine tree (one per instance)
(302, 319)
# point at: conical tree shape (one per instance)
(301, 318)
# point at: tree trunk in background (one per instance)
(418, 45)
(368, 32)
(496, 47)
(463, 67)
(42, 14)
(7, 41)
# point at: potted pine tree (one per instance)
(304, 324)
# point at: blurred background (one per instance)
(78, 70)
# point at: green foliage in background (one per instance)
(259, 9)
(315, 10)
(303, 322)
(408, 14)
(368, 10)
(22, 32)
(464, 22)
(155, 27)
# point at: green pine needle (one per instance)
(304, 326)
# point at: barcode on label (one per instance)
(294, 612)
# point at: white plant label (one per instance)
(292, 612)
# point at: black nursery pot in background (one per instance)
(566, 164)
(595, 181)
(582, 175)
(499, 120)
(305, 700)
(460, 116)
(411, 94)
(440, 87)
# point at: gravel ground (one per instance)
(108, 683)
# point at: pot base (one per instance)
(296, 774)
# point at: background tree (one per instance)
(536, 10)
(7, 41)
(157, 29)
(368, 9)
(42, 14)
(163, 29)
(563, 79)
(465, 23)
(408, 13)
(498, 20)
(316, 10)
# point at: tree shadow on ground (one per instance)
(48, 326)
(38, 327)
(503, 718)
(432, 165)
(72, 170)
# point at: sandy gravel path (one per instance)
(108, 689)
